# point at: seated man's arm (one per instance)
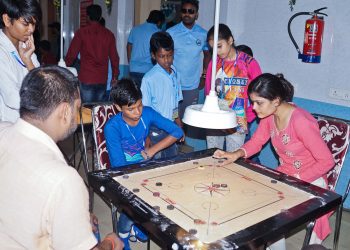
(110, 242)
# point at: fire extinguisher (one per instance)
(312, 37)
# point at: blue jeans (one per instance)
(137, 77)
(124, 223)
(156, 135)
(92, 92)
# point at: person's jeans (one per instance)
(156, 135)
(124, 223)
(137, 77)
(92, 92)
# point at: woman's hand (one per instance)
(229, 156)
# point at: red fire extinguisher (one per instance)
(312, 37)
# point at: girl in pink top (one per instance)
(234, 71)
(294, 134)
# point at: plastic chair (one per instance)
(336, 133)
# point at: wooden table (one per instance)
(189, 202)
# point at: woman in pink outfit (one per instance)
(294, 134)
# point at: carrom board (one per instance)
(188, 202)
(211, 201)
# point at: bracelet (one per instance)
(111, 241)
(204, 75)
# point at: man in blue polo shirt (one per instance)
(138, 53)
(189, 40)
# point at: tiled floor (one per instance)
(294, 242)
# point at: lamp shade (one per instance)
(209, 115)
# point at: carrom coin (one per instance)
(158, 184)
(220, 161)
(156, 194)
(195, 162)
(201, 167)
(223, 185)
(192, 231)
(156, 208)
(125, 176)
(198, 222)
(136, 190)
(170, 207)
(273, 181)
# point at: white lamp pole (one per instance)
(62, 63)
(215, 49)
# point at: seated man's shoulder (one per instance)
(4, 126)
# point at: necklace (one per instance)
(133, 136)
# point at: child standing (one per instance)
(294, 134)
(126, 135)
(161, 88)
(17, 25)
(234, 71)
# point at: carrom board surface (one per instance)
(211, 201)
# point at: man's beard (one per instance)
(72, 128)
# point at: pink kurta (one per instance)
(301, 150)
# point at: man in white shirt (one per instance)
(44, 202)
(17, 23)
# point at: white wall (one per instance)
(263, 26)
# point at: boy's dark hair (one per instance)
(271, 86)
(193, 2)
(156, 16)
(44, 88)
(224, 33)
(161, 39)
(125, 92)
(45, 45)
(28, 9)
(246, 49)
(94, 12)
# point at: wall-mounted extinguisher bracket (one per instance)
(312, 37)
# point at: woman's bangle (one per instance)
(111, 241)
(204, 75)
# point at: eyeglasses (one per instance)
(189, 11)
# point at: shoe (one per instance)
(137, 235)
(125, 238)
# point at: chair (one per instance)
(336, 133)
(100, 116)
(100, 113)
